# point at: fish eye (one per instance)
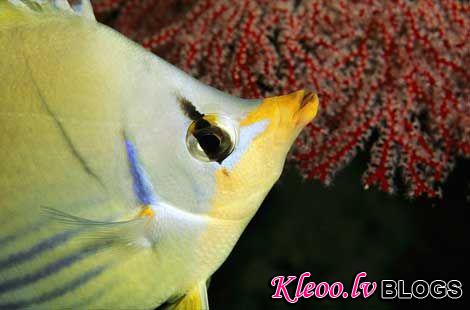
(211, 138)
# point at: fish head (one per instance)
(211, 152)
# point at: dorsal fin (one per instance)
(63, 5)
(84, 8)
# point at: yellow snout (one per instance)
(287, 114)
(297, 109)
(240, 191)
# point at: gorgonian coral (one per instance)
(391, 75)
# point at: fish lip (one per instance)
(307, 98)
(308, 108)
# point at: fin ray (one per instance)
(63, 5)
(84, 8)
(195, 299)
(127, 234)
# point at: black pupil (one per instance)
(215, 142)
(209, 143)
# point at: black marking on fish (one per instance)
(45, 245)
(189, 109)
(58, 292)
(48, 270)
(63, 132)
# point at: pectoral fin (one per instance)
(126, 235)
(195, 299)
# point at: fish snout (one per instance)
(295, 110)
(287, 116)
(307, 109)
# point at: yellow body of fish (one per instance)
(104, 201)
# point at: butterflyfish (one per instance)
(124, 182)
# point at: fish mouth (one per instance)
(307, 108)
(309, 96)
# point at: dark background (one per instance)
(337, 231)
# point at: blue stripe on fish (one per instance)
(37, 249)
(143, 188)
(7, 239)
(93, 298)
(58, 292)
(48, 270)
(19, 233)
